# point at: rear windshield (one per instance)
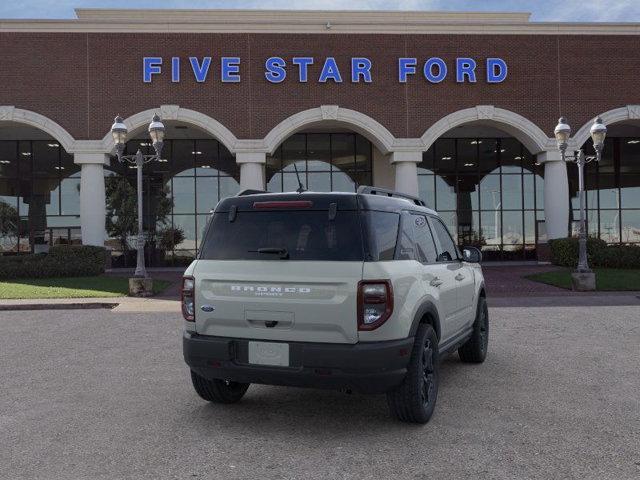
(301, 235)
(276, 235)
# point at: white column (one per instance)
(406, 165)
(92, 197)
(251, 170)
(556, 194)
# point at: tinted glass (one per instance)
(447, 250)
(425, 248)
(406, 242)
(471, 181)
(306, 235)
(382, 228)
(325, 162)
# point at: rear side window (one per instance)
(425, 248)
(406, 242)
(291, 234)
(447, 251)
(382, 234)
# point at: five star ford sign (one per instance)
(361, 69)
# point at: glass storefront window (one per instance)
(179, 191)
(426, 187)
(512, 228)
(630, 191)
(445, 193)
(612, 191)
(490, 197)
(629, 155)
(490, 191)
(630, 223)
(468, 192)
(512, 192)
(610, 226)
(325, 161)
(39, 192)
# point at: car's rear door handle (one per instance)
(459, 277)
(436, 282)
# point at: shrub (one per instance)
(564, 252)
(620, 256)
(169, 238)
(61, 261)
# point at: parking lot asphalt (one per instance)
(105, 394)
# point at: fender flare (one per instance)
(426, 308)
(482, 289)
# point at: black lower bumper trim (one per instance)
(372, 367)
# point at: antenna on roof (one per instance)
(300, 188)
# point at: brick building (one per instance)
(458, 108)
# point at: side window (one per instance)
(425, 247)
(383, 234)
(447, 251)
(406, 243)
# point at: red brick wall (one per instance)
(82, 80)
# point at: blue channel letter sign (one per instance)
(309, 69)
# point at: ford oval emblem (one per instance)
(207, 308)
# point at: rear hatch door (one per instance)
(281, 271)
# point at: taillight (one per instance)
(375, 303)
(188, 298)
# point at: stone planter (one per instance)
(140, 287)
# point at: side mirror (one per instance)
(471, 255)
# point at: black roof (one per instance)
(244, 201)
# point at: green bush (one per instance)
(617, 256)
(61, 261)
(564, 252)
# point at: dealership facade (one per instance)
(457, 108)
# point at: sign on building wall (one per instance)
(310, 69)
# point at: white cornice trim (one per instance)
(261, 16)
(307, 21)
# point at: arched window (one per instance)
(612, 188)
(179, 192)
(325, 162)
(488, 191)
(39, 193)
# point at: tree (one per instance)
(122, 210)
(9, 223)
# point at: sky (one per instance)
(542, 10)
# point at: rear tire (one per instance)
(475, 349)
(218, 391)
(415, 399)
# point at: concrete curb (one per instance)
(615, 300)
(57, 306)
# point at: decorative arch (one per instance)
(177, 113)
(617, 115)
(528, 133)
(382, 138)
(10, 113)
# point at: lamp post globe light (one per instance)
(140, 284)
(583, 278)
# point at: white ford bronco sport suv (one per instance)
(353, 291)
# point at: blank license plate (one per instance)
(269, 353)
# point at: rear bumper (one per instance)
(372, 367)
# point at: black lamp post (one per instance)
(598, 133)
(156, 132)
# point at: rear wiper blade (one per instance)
(284, 254)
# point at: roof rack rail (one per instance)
(249, 191)
(368, 190)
